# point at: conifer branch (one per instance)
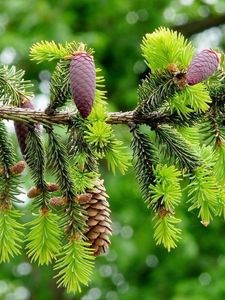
(66, 118)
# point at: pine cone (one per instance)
(203, 65)
(22, 129)
(83, 82)
(99, 223)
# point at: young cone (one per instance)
(99, 223)
(83, 82)
(22, 129)
(203, 65)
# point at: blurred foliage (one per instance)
(134, 267)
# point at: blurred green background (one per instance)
(134, 268)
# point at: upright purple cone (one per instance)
(83, 82)
(203, 65)
(22, 129)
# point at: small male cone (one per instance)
(22, 129)
(98, 212)
(83, 82)
(203, 65)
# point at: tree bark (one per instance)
(66, 118)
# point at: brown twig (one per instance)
(66, 118)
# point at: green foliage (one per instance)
(180, 151)
(203, 193)
(36, 157)
(13, 87)
(170, 148)
(166, 231)
(103, 141)
(57, 162)
(219, 167)
(59, 85)
(145, 153)
(46, 50)
(9, 183)
(155, 90)
(192, 98)
(11, 235)
(43, 240)
(164, 47)
(75, 265)
(166, 190)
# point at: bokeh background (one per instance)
(134, 268)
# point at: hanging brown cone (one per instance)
(22, 129)
(83, 82)
(99, 223)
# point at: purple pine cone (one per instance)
(203, 65)
(83, 82)
(22, 129)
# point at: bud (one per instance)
(18, 168)
(58, 201)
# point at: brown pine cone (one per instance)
(99, 223)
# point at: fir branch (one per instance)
(146, 154)
(192, 99)
(79, 149)
(9, 183)
(166, 231)
(68, 118)
(219, 167)
(75, 265)
(203, 194)
(176, 148)
(103, 142)
(35, 158)
(155, 90)
(75, 220)
(166, 190)
(49, 51)
(43, 240)
(59, 86)
(164, 47)
(11, 235)
(13, 87)
(57, 162)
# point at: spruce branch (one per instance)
(74, 265)
(146, 157)
(203, 194)
(155, 90)
(13, 87)
(179, 150)
(9, 183)
(75, 220)
(59, 86)
(11, 234)
(166, 231)
(35, 158)
(67, 118)
(43, 240)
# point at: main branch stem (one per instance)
(65, 118)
